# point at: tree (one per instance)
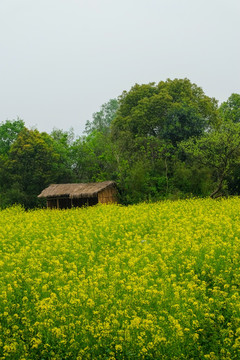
(93, 158)
(63, 137)
(218, 150)
(174, 110)
(92, 155)
(151, 122)
(34, 165)
(230, 109)
(102, 119)
(62, 143)
(9, 131)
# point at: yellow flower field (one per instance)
(150, 281)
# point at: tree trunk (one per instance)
(166, 174)
(218, 188)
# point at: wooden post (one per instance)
(57, 203)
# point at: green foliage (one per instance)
(189, 179)
(218, 150)
(9, 131)
(182, 122)
(173, 110)
(230, 109)
(92, 155)
(157, 141)
(34, 164)
(233, 179)
(151, 122)
(93, 158)
(66, 138)
(102, 119)
(62, 143)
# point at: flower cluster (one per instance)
(150, 281)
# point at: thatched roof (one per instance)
(75, 190)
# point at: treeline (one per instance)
(157, 141)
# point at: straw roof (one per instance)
(75, 190)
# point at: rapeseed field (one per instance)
(150, 281)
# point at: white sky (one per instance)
(60, 60)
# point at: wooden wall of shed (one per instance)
(108, 196)
(59, 203)
(52, 203)
(66, 203)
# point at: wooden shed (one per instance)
(65, 196)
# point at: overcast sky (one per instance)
(61, 60)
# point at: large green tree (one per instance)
(174, 110)
(151, 122)
(34, 164)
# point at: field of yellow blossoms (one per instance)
(150, 281)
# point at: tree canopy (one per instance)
(9, 131)
(230, 109)
(174, 110)
(218, 150)
(102, 119)
(163, 140)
